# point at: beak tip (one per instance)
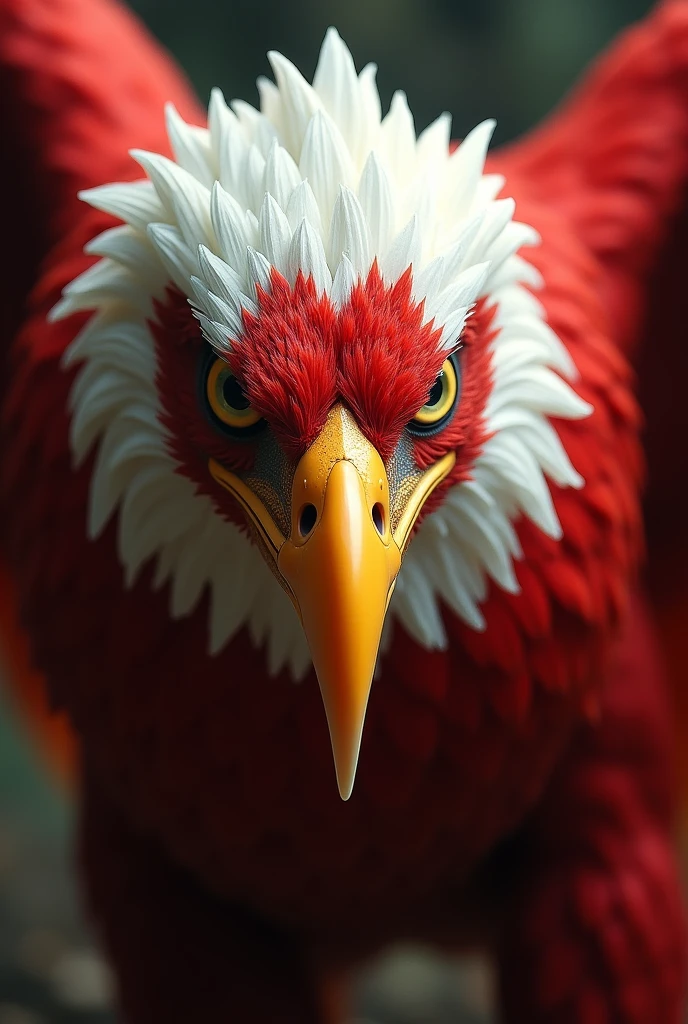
(346, 747)
(345, 768)
(346, 788)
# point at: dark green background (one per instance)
(511, 59)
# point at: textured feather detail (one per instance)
(232, 228)
(191, 147)
(349, 233)
(307, 257)
(275, 234)
(127, 246)
(136, 202)
(302, 206)
(404, 252)
(218, 276)
(344, 282)
(175, 255)
(376, 200)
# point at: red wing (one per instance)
(81, 83)
(614, 160)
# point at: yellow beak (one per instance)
(339, 564)
(341, 573)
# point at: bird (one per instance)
(321, 491)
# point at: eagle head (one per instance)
(317, 377)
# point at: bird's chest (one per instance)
(233, 770)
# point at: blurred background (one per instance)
(511, 59)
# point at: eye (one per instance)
(441, 401)
(227, 399)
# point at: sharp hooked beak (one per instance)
(340, 563)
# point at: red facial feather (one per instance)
(388, 360)
(299, 356)
(286, 361)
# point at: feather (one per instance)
(398, 140)
(176, 257)
(181, 195)
(259, 131)
(325, 161)
(231, 228)
(307, 255)
(299, 102)
(191, 147)
(349, 233)
(403, 253)
(135, 202)
(466, 167)
(281, 174)
(219, 277)
(302, 206)
(259, 270)
(336, 83)
(375, 197)
(275, 233)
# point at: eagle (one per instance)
(321, 508)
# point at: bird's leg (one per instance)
(596, 932)
(179, 954)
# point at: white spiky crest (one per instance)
(315, 181)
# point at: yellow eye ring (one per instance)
(226, 398)
(441, 398)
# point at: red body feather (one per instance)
(548, 730)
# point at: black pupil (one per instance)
(437, 390)
(233, 394)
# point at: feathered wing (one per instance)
(81, 83)
(614, 160)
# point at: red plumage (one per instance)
(514, 788)
(287, 361)
(382, 339)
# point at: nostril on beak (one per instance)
(379, 518)
(307, 519)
